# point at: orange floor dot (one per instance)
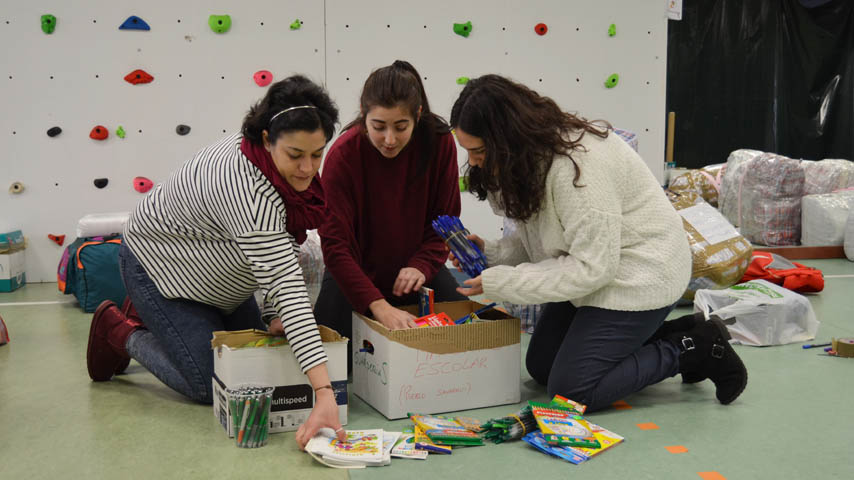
(676, 449)
(621, 405)
(648, 426)
(711, 476)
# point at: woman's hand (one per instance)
(408, 280)
(276, 328)
(392, 318)
(475, 286)
(324, 414)
(456, 261)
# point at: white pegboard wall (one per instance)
(204, 80)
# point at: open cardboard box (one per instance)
(438, 369)
(293, 397)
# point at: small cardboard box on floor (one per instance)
(12, 261)
(293, 397)
(437, 369)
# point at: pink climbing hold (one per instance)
(142, 184)
(263, 78)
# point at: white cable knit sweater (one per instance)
(615, 243)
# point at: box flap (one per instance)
(502, 331)
(238, 338)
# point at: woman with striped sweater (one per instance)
(225, 224)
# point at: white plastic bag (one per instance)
(765, 314)
(849, 236)
(99, 224)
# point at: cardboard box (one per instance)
(12, 261)
(437, 369)
(293, 397)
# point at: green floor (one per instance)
(794, 420)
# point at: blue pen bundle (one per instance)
(452, 231)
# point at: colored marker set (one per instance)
(452, 231)
(250, 413)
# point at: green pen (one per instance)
(262, 424)
(247, 406)
(256, 426)
(244, 436)
(232, 404)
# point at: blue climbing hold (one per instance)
(134, 23)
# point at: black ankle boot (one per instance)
(705, 351)
(680, 325)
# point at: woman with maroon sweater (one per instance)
(392, 171)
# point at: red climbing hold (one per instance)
(59, 239)
(142, 184)
(263, 78)
(100, 132)
(541, 29)
(138, 76)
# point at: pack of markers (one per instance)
(452, 231)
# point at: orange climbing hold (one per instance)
(100, 132)
(137, 77)
(59, 239)
(541, 29)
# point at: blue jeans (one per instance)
(176, 345)
(597, 356)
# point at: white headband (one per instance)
(289, 109)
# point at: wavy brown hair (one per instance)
(523, 132)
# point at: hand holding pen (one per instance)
(456, 261)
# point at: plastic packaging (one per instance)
(826, 176)
(101, 224)
(311, 263)
(769, 200)
(728, 198)
(849, 236)
(823, 218)
(764, 313)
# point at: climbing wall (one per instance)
(74, 78)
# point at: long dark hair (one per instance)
(293, 91)
(522, 132)
(400, 84)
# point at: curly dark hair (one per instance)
(293, 91)
(523, 132)
(400, 84)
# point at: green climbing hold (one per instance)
(463, 29)
(612, 81)
(120, 132)
(296, 25)
(48, 23)
(464, 184)
(612, 30)
(220, 23)
(462, 80)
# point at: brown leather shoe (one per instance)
(108, 334)
(133, 319)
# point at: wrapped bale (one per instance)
(731, 179)
(823, 218)
(769, 200)
(826, 176)
(720, 254)
(705, 182)
(849, 236)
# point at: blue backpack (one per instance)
(89, 269)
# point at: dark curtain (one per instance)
(772, 75)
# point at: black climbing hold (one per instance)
(54, 131)
(182, 129)
(134, 23)
(101, 182)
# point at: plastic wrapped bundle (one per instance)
(311, 263)
(826, 176)
(823, 218)
(628, 137)
(849, 236)
(720, 254)
(701, 181)
(728, 198)
(769, 200)
(528, 314)
(102, 224)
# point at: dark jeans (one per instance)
(334, 310)
(597, 356)
(176, 345)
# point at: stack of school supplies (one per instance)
(563, 426)
(426, 301)
(445, 431)
(511, 427)
(250, 409)
(434, 320)
(266, 342)
(405, 446)
(423, 442)
(472, 260)
(576, 455)
(363, 448)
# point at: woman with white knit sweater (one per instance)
(598, 243)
